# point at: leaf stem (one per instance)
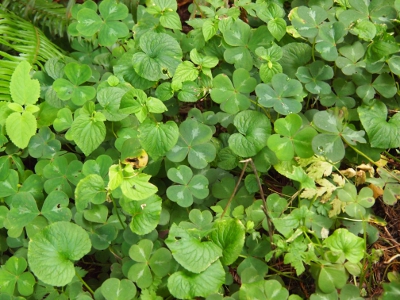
(84, 283)
(116, 210)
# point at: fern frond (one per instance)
(43, 13)
(22, 41)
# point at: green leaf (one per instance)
(158, 138)
(171, 19)
(55, 207)
(141, 252)
(111, 31)
(23, 89)
(23, 209)
(77, 73)
(266, 289)
(89, 189)
(186, 71)
(254, 129)
(356, 204)
(394, 64)
(145, 214)
(89, 22)
(283, 94)
(187, 285)
(350, 62)
(161, 54)
(229, 236)
(44, 144)
(115, 289)
(12, 273)
(160, 262)
(329, 35)
(385, 85)
(52, 251)
(330, 277)
(20, 128)
(314, 77)
(382, 134)
(329, 146)
(88, 133)
(307, 20)
(345, 242)
(96, 214)
(141, 274)
(186, 249)
(238, 34)
(64, 119)
(194, 142)
(295, 173)
(137, 187)
(294, 55)
(277, 27)
(112, 10)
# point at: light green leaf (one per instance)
(343, 241)
(254, 129)
(187, 285)
(137, 187)
(229, 236)
(88, 133)
(277, 27)
(186, 250)
(89, 22)
(89, 189)
(158, 138)
(186, 71)
(382, 134)
(23, 209)
(23, 89)
(171, 19)
(112, 10)
(20, 128)
(115, 289)
(55, 207)
(146, 214)
(52, 251)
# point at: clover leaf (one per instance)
(189, 186)
(273, 14)
(356, 204)
(194, 142)
(90, 189)
(349, 61)
(115, 289)
(307, 20)
(108, 27)
(350, 245)
(343, 89)
(272, 55)
(233, 97)
(254, 129)
(282, 93)
(44, 144)
(159, 58)
(381, 133)
(12, 273)
(329, 35)
(384, 84)
(295, 140)
(314, 75)
(77, 74)
(166, 11)
(52, 251)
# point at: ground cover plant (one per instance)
(201, 149)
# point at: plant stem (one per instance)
(116, 210)
(392, 157)
(84, 283)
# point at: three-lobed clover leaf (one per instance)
(291, 138)
(72, 88)
(166, 11)
(350, 245)
(44, 144)
(13, 273)
(189, 186)
(282, 93)
(350, 60)
(194, 142)
(272, 55)
(356, 204)
(384, 84)
(272, 14)
(343, 89)
(307, 20)
(108, 26)
(52, 251)
(329, 35)
(314, 75)
(115, 289)
(233, 97)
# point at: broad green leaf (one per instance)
(186, 249)
(205, 61)
(330, 277)
(277, 27)
(160, 262)
(115, 289)
(187, 285)
(171, 19)
(294, 55)
(111, 31)
(112, 10)
(283, 94)
(55, 207)
(53, 250)
(145, 214)
(356, 204)
(209, 29)
(382, 134)
(385, 85)
(350, 62)
(160, 57)
(267, 289)
(254, 129)
(141, 252)
(96, 214)
(229, 236)
(158, 138)
(295, 173)
(23, 89)
(20, 128)
(394, 64)
(89, 189)
(238, 34)
(186, 71)
(141, 274)
(64, 119)
(364, 29)
(329, 146)
(77, 73)
(23, 210)
(137, 187)
(88, 133)
(329, 35)
(345, 242)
